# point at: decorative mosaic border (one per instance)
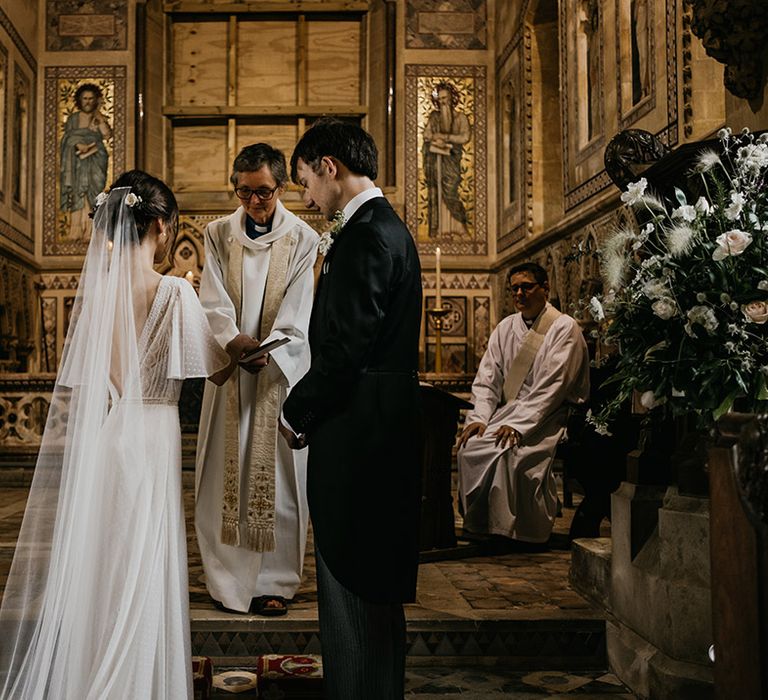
(50, 160)
(577, 642)
(18, 237)
(412, 73)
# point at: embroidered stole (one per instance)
(523, 361)
(260, 523)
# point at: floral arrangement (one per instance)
(327, 238)
(686, 296)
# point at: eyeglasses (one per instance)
(524, 287)
(263, 193)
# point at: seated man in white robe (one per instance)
(535, 367)
(251, 510)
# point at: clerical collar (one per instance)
(529, 321)
(254, 230)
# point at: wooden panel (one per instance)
(333, 62)
(268, 6)
(739, 565)
(200, 158)
(317, 110)
(266, 66)
(282, 135)
(200, 63)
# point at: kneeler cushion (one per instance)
(202, 677)
(290, 676)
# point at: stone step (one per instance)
(590, 573)
(524, 644)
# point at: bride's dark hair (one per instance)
(156, 200)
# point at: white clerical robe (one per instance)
(511, 491)
(235, 575)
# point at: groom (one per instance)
(357, 407)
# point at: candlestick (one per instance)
(438, 299)
(438, 315)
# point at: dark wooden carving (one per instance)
(630, 153)
(733, 32)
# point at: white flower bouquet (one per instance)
(686, 296)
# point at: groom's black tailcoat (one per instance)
(359, 406)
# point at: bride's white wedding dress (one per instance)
(96, 605)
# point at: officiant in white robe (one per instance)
(251, 511)
(521, 396)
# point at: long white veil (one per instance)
(68, 593)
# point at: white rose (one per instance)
(655, 289)
(101, 198)
(596, 309)
(665, 308)
(703, 205)
(733, 242)
(635, 191)
(702, 315)
(755, 311)
(686, 212)
(648, 400)
(733, 210)
(131, 199)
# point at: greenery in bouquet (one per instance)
(685, 302)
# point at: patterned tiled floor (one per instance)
(466, 682)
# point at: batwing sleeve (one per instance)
(194, 350)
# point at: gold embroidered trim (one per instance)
(260, 518)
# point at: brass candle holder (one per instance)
(438, 317)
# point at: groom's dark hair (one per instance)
(348, 143)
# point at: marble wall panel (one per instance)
(74, 25)
(446, 24)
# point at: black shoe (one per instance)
(269, 605)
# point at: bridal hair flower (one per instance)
(327, 239)
(131, 199)
(101, 198)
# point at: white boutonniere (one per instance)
(327, 239)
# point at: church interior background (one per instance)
(534, 91)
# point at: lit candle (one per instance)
(190, 276)
(438, 299)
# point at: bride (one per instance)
(96, 602)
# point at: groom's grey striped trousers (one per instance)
(363, 643)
